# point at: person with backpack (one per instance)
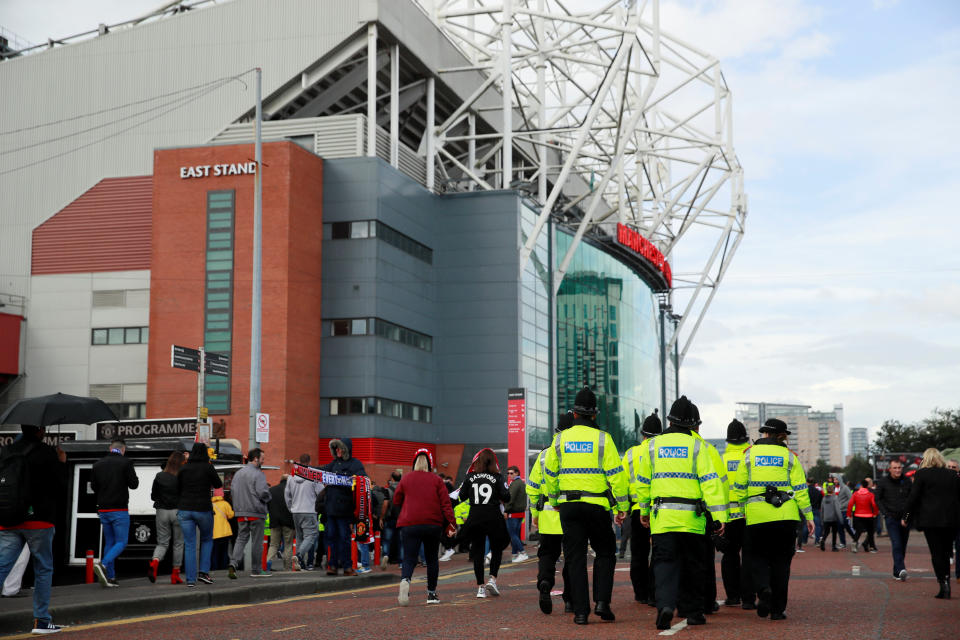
(32, 478)
(113, 477)
(391, 541)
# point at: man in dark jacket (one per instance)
(339, 507)
(113, 477)
(46, 483)
(282, 526)
(892, 493)
(515, 510)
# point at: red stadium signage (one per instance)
(633, 240)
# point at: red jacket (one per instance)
(423, 499)
(862, 504)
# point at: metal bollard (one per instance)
(89, 577)
(295, 564)
(263, 554)
(376, 549)
(353, 551)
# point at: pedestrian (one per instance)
(816, 501)
(831, 514)
(112, 478)
(710, 605)
(584, 481)
(515, 510)
(772, 487)
(678, 485)
(300, 497)
(165, 495)
(14, 580)
(485, 489)
(892, 493)
(222, 531)
(195, 512)
(641, 571)
(934, 508)
(282, 526)
(391, 541)
(425, 513)
(339, 507)
(844, 493)
(863, 509)
(250, 495)
(954, 466)
(733, 571)
(546, 519)
(32, 521)
(365, 549)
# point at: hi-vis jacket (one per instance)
(631, 462)
(548, 517)
(717, 461)
(673, 477)
(583, 466)
(461, 511)
(732, 458)
(770, 463)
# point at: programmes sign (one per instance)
(167, 428)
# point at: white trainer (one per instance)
(447, 555)
(491, 587)
(404, 596)
(481, 592)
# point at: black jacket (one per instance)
(816, 498)
(892, 495)
(194, 482)
(339, 502)
(934, 499)
(280, 515)
(113, 477)
(165, 493)
(46, 478)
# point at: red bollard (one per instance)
(89, 566)
(295, 564)
(353, 551)
(376, 549)
(263, 554)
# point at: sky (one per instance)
(846, 287)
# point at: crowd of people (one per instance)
(673, 498)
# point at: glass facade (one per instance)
(608, 338)
(218, 297)
(535, 347)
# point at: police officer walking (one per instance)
(641, 576)
(584, 478)
(709, 556)
(771, 486)
(732, 571)
(677, 485)
(547, 520)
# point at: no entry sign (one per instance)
(263, 427)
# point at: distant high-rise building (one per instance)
(813, 435)
(857, 444)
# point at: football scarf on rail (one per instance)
(319, 475)
(363, 513)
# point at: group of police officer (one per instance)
(684, 500)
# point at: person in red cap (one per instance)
(425, 511)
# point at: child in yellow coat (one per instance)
(222, 532)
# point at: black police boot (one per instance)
(602, 609)
(580, 618)
(664, 617)
(944, 593)
(546, 605)
(778, 615)
(711, 607)
(732, 602)
(695, 619)
(567, 606)
(763, 602)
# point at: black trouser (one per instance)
(827, 528)
(547, 555)
(429, 536)
(709, 573)
(626, 529)
(583, 522)
(768, 551)
(641, 575)
(940, 541)
(734, 573)
(861, 525)
(477, 545)
(678, 568)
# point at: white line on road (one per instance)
(299, 626)
(672, 630)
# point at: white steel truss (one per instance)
(605, 119)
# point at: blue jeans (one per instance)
(189, 522)
(116, 530)
(338, 539)
(899, 535)
(513, 528)
(40, 542)
(364, 558)
(817, 525)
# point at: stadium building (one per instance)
(456, 201)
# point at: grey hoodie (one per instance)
(301, 495)
(249, 492)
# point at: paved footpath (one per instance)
(832, 595)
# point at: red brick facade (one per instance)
(292, 238)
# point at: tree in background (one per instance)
(821, 471)
(941, 431)
(858, 469)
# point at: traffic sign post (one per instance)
(217, 364)
(263, 427)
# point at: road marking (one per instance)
(390, 609)
(855, 570)
(299, 626)
(356, 615)
(672, 630)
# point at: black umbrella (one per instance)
(58, 408)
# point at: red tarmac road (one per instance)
(832, 595)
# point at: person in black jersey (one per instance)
(486, 490)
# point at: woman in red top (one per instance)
(863, 508)
(425, 510)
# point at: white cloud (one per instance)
(848, 385)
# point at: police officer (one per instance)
(641, 575)
(584, 478)
(709, 557)
(772, 488)
(734, 574)
(677, 485)
(547, 520)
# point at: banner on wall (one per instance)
(517, 429)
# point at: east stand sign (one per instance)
(166, 428)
